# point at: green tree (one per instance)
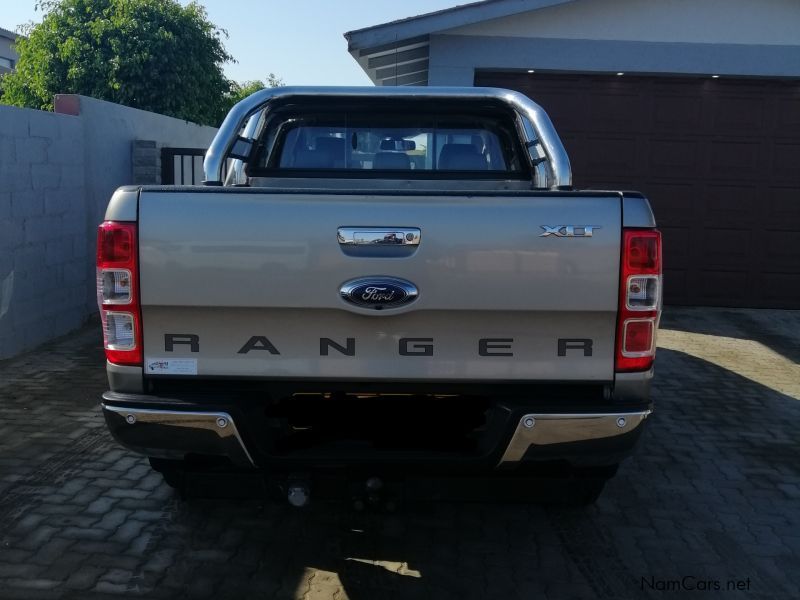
(240, 91)
(151, 54)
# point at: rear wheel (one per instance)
(587, 485)
(561, 486)
(173, 472)
(585, 492)
(209, 477)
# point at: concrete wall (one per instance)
(43, 227)
(57, 172)
(110, 131)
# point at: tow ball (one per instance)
(373, 497)
(298, 491)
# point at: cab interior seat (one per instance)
(335, 147)
(391, 160)
(462, 157)
(313, 158)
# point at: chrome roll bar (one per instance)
(548, 157)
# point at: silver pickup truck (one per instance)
(383, 282)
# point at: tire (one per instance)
(576, 488)
(173, 472)
(587, 485)
(585, 492)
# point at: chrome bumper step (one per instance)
(546, 429)
(172, 434)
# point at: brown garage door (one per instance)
(718, 158)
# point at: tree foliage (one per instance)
(151, 54)
(240, 91)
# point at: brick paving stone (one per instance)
(112, 520)
(33, 583)
(132, 494)
(29, 522)
(160, 560)
(84, 533)
(94, 547)
(117, 589)
(85, 577)
(712, 491)
(117, 560)
(128, 531)
(66, 566)
(37, 538)
(19, 570)
(147, 515)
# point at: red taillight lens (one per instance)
(115, 243)
(638, 336)
(643, 251)
(117, 292)
(640, 299)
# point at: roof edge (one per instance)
(448, 18)
(8, 33)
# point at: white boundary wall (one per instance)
(57, 172)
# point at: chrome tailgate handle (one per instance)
(380, 236)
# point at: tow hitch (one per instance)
(374, 496)
(298, 490)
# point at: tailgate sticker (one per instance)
(171, 366)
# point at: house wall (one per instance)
(768, 22)
(57, 172)
(5, 47)
(454, 58)
(7, 52)
(703, 37)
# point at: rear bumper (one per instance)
(536, 430)
(176, 433)
(167, 428)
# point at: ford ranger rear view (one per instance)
(382, 282)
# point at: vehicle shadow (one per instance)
(711, 494)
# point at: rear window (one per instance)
(358, 144)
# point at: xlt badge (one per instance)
(379, 293)
(568, 230)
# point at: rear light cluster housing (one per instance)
(118, 292)
(639, 300)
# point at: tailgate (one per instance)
(248, 283)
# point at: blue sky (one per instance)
(298, 40)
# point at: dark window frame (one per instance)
(505, 121)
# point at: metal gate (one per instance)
(182, 166)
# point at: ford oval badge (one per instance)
(379, 293)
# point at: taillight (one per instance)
(640, 299)
(117, 292)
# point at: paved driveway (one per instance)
(711, 499)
